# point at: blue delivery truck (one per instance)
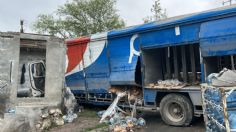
(182, 49)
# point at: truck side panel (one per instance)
(220, 33)
(97, 71)
(123, 54)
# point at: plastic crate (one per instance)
(219, 108)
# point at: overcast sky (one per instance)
(132, 11)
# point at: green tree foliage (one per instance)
(79, 18)
(158, 13)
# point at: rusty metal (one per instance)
(203, 88)
(224, 104)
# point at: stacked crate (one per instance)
(219, 108)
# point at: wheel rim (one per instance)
(175, 112)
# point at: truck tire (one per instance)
(176, 110)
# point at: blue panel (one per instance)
(218, 46)
(150, 95)
(97, 84)
(78, 91)
(98, 91)
(97, 74)
(100, 68)
(122, 72)
(218, 37)
(168, 37)
(76, 80)
(221, 27)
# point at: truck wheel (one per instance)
(176, 110)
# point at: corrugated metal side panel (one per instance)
(122, 71)
(76, 48)
(218, 37)
(188, 34)
(97, 74)
(97, 65)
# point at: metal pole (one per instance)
(232, 62)
(229, 1)
(21, 26)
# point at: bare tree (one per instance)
(158, 13)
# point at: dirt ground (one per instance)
(87, 121)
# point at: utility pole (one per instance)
(228, 1)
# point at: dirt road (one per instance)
(89, 122)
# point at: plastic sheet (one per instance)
(112, 109)
(225, 78)
(70, 103)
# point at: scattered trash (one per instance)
(224, 78)
(141, 122)
(113, 108)
(70, 117)
(100, 113)
(11, 111)
(133, 92)
(118, 119)
(168, 84)
(70, 104)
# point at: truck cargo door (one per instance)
(37, 78)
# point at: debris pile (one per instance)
(54, 117)
(49, 118)
(70, 104)
(133, 92)
(224, 78)
(168, 84)
(118, 119)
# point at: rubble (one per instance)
(50, 117)
(168, 84)
(119, 120)
(54, 117)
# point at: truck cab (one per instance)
(34, 72)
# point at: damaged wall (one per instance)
(55, 65)
(10, 105)
(9, 59)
